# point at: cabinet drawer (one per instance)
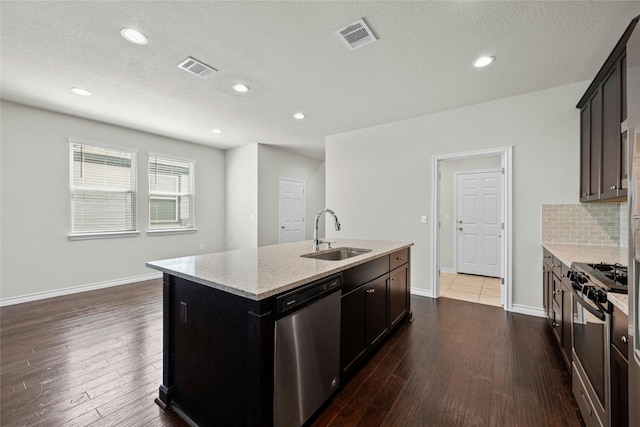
(587, 409)
(558, 290)
(620, 331)
(398, 258)
(547, 258)
(361, 274)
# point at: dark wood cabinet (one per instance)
(556, 294)
(619, 369)
(619, 389)
(353, 328)
(377, 310)
(399, 294)
(567, 318)
(603, 110)
(364, 321)
(374, 301)
(585, 155)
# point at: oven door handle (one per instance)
(599, 314)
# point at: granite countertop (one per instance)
(587, 253)
(259, 273)
(619, 300)
(591, 254)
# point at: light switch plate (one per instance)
(423, 219)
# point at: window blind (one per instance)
(103, 188)
(171, 193)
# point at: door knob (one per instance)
(282, 227)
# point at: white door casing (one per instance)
(479, 223)
(292, 211)
(506, 155)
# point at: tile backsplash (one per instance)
(600, 224)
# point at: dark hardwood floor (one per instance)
(96, 359)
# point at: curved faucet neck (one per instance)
(316, 241)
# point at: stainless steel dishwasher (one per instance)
(307, 350)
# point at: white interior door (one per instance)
(291, 210)
(479, 223)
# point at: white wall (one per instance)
(379, 178)
(36, 255)
(274, 163)
(448, 227)
(241, 204)
(252, 190)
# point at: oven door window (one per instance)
(588, 342)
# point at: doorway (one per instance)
(292, 210)
(449, 241)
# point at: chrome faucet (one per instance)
(316, 242)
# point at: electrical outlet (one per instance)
(183, 311)
(202, 246)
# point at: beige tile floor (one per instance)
(483, 290)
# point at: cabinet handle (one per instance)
(558, 291)
(399, 258)
(555, 325)
(624, 340)
(547, 256)
(585, 194)
(555, 266)
(613, 187)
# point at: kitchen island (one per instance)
(219, 313)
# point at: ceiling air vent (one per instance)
(356, 34)
(196, 67)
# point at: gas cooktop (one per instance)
(610, 277)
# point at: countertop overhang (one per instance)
(259, 273)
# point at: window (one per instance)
(103, 190)
(171, 193)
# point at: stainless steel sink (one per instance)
(336, 254)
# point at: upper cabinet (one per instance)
(603, 138)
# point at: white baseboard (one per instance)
(77, 289)
(421, 292)
(448, 270)
(525, 309)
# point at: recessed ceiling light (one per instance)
(240, 87)
(216, 130)
(483, 61)
(80, 91)
(299, 116)
(133, 36)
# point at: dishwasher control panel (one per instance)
(306, 294)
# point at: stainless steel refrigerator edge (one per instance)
(633, 126)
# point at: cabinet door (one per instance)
(556, 304)
(611, 119)
(619, 389)
(585, 153)
(398, 294)
(546, 291)
(596, 146)
(567, 320)
(353, 338)
(377, 310)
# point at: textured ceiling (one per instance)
(288, 54)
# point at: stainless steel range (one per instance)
(591, 317)
(610, 277)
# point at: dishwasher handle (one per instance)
(303, 296)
